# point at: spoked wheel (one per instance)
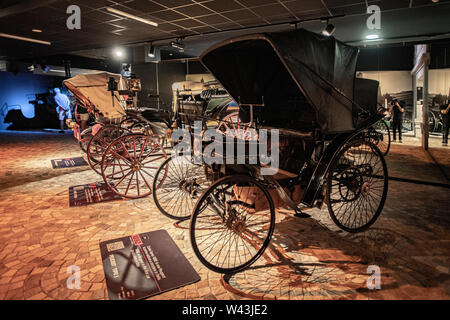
(357, 186)
(177, 186)
(144, 128)
(85, 136)
(138, 127)
(232, 224)
(129, 164)
(127, 123)
(99, 142)
(233, 126)
(432, 121)
(382, 137)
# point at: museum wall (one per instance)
(439, 81)
(398, 84)
(168, 73)
(391, 81)
(15, 93)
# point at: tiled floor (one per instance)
(40, 235)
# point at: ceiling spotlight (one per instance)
(151, 51)
(130, 16)
(372, 36)
(329, 29)
(177, 45)
(118, 53)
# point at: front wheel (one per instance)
(232, 224)
(357, 185)
(177, 186)
(99, 142)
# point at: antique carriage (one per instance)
(302, 86)
(124, 139)
(127, 135)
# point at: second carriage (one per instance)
(126, 142)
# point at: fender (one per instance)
(321, 170)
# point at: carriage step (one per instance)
(301, 214)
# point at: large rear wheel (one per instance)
(357, 185)
(129, 164)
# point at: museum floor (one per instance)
(40, 235)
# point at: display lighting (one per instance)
(329, 29)
(151, 51)
(372, 36)
(118, 53)
(130, 16)
(12, 36)
(177, 45)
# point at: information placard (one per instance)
(144, 265)
(68, 162)
(91, 193)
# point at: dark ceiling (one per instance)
(202, 19)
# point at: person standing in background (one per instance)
(445, 110)
(83, 114)
(396, 111)
(63, 108)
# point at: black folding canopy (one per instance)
(294, 72)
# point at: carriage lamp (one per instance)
(134, 84)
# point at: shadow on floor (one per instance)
(308, 261)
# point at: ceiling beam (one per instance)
(326, 7)
(24, 6)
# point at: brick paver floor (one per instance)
(40, 235)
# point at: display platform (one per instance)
(68, 162)
(86, 194)
(143, 265)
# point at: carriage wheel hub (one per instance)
(365, 188)
(238, 226)
(136, 166)
(189, 186)
(235, 223)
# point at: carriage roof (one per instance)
(91, 90)
(299, 64)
